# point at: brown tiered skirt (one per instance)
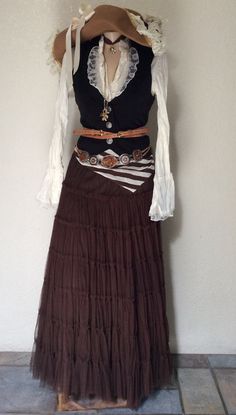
(102, 329)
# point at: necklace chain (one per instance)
(106, 109)
(109, 42)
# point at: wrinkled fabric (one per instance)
(163, 198)
(102, 327)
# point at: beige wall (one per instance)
(199, 241)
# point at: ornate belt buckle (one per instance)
(124, 158)
(93, 159)
(137, 154)
(83, 155)
(109, 161)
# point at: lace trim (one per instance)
(93, 71)
(134, 60)
(154, 31)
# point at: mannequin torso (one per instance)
(111, 59)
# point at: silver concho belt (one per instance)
(109, 160)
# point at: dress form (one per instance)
(112, 35)
(65, 402)
(111, 59)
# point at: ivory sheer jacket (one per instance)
(163, 199)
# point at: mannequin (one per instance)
(112, 35)
(58, 358)
(112, 62)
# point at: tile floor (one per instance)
(202, 385)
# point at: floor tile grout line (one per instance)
(220, 367)
(206, 356)
(28, 413)
(210, 367)
(12, 365)
(218, 390)
(180, 392)
(178, 367)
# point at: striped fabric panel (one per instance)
(129, 176)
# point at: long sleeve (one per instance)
(163, 198)
(50, 190)
(51, 187)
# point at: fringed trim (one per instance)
(163, 201)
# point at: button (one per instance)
(109, 140)
(109, 109)
(124, 158)
(108, 124)
(93, 159)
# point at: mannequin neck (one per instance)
(112, 35)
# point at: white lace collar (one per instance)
(97, 69)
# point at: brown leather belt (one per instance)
(110, 160)
(100, 134)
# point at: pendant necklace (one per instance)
(106, 109)
(109, 42)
